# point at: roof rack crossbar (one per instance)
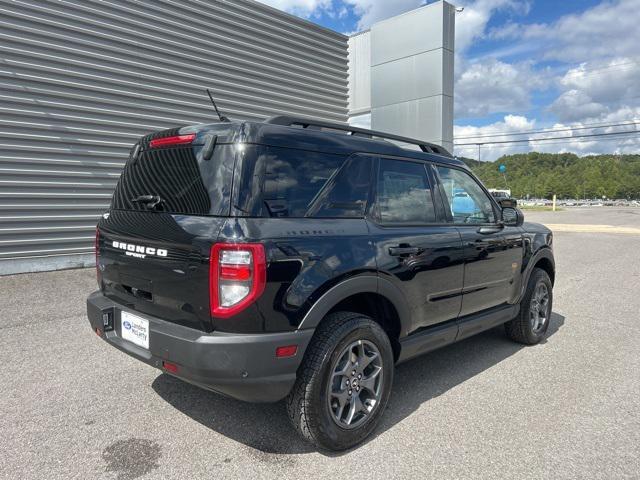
(355, 131)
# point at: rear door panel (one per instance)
(423, 256)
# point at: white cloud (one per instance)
(367, 11)
(302, 8)
(595, 89)
(493, 86)
(372, 11)
(574, 105)
(487, 85)
(471, 134)
(603, 88)
(499, 132)
(592, 145)
(471, 23)
(607, 30)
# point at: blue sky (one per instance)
(525, 65)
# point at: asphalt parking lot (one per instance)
(74, 407)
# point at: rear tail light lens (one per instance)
(237, 277)
(172, 141)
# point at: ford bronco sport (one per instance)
(301, 260)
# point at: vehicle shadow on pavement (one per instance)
(265, 427)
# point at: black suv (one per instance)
(302, 260)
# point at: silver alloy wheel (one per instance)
(539, 308)
(355, 386)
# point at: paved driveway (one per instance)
(73, 407)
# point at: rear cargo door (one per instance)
(154, 243)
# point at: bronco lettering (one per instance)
(139, 251)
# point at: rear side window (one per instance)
(299, 183)
(346, 192)
(404, 194)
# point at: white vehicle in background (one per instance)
(500, 194)
(503, 197)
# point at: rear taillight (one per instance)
(171, 141)
(237, 277)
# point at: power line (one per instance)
(548, 138)
(616, 139)
(586, 126)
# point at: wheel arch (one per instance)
(543, 259)
(546, 264)
(369, 295)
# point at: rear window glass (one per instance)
(177, 181)
(299, 183)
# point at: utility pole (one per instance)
(479, 145)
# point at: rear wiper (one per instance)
(150, 201)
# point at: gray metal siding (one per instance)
(81, 80)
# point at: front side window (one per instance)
(403, 194)
(467, 201)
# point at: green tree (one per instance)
(565, 175)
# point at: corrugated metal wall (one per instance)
(81, 80)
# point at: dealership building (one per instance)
(81, 81)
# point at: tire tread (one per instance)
(300, 405)
(519, 329)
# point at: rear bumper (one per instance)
(240, 366)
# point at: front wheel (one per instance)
(344, 382)
(531, 324)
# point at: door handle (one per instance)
(488, 230)
(404, 251)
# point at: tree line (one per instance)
(541, 175)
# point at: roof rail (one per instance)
(355, 131)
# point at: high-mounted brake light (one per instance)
(237, 277)
(171, 141)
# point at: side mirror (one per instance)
(512, 217)
(508, 202)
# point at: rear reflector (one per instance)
(170, 367)
(288, 351)
(171, 141)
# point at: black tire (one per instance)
(309, 405)
(525, 329)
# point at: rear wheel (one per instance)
(531, 324)
(344, 382)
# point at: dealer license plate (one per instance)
(135, 329)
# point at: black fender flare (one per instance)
(352, 286)
(544, 252)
